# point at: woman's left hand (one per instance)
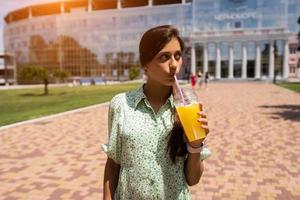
(203, 120)
(204, 124)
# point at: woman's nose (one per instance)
(173, 69)
(173, 63)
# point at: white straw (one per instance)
(177, 84)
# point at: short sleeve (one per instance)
(113, 148)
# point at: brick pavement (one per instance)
(255, 130)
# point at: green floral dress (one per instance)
(138, 140)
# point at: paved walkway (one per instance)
(255, 139)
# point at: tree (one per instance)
(35, 74)
(32, 73)
(299, 34)
(61, 75)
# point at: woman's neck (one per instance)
(156, 93)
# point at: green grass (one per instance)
(292, 86)
(24, 104)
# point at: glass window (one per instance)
(224, 47)
(292, 8)
(211, 51)
(238, 24)
(251, 50)
(264, 52)
(237, 50)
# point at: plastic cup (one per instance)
(187, 111)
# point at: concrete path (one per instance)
(255, 139)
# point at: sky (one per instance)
(10, 5)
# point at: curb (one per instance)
(52, 116)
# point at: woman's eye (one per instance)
(177, 56)
(164, 57)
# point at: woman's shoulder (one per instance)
(118, 99)
(124, 98)
(128, 98)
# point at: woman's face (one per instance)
(165, 64)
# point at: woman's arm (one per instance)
(193, 168)
(111, 176)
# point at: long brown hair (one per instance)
(151, 43)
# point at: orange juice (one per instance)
(189, 119)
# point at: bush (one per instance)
(134, 72)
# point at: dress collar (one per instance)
(139, 95)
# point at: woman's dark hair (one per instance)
(151, 43)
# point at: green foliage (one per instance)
(134, 71)
(33, 73)
(291, 86)
(61, 75)
(37, 74)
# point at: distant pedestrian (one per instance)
(199, 78)
(206, 79)
(193, 80)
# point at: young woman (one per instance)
(148, 157)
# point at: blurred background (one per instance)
(93, 40)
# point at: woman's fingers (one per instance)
(203, 121)
(206, 129)
(202, 114)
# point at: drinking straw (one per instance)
(177, 85)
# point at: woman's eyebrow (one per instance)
(169, 52)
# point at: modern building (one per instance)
(8, 71)
(230, 39)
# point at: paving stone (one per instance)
(255, 129)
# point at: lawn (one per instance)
(292, 86)
(24, 104)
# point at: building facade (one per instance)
(229, 39)
(7, 69)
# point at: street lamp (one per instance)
(299, 42)
(275, 68)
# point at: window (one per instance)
(238, 24)
(126, 72)
(293, 50)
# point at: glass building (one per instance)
(229, 39)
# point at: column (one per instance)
(244, 61)
(205, 58)
(150, 3)
(119, 5)
(183, 1)
(286, 70)
(230, 74)
(90, 7)
(271, 60)
(193, 59)
(29, 13)
(257, 61)
(62, 7)
(15, 70)
(218, 62)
